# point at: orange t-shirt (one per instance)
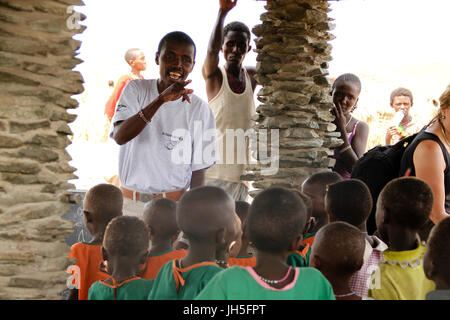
(89, 256)
(110, 107)
(249, 261)
(155, 262)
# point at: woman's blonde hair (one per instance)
(444, 103)
(444, 99)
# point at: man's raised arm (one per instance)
(211, 63)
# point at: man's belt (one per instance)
(145, 197)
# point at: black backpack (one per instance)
(377, 167)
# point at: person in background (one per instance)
(125, 249)
(275, 223)
(102, 203)
(160, 218)
(437, 260)
(350, 201)
(300, 256)
(427, 158)
(345, 92)
(136, 60)
(403, 207)
(338, 252)
(206, 216)
(244, 257)
(401, 101)
(316, 187)
(230, 91)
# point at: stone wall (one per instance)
(293, 54)
(37, 55)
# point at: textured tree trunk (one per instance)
(37, 55)
(293, 54)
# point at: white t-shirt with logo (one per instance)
(180, 138)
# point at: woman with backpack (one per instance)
(428, 158)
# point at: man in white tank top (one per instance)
(229, 89)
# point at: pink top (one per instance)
(269, 287)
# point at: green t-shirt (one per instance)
(195, 279)
(238, 283)
(136, 289)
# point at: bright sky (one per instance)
(387, 43)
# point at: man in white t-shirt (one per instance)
(166, 134)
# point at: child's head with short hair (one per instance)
(276, 221)
(206, 215)
(338, 250)
(160, 218)
(349, 201)
(101, 204)
(405, 202)
(315, 187)
(125, 245)
(437, 257)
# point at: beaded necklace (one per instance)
(276, 281)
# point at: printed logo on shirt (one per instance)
(171, 140)
(120, 107)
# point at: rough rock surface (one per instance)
(37, 55)
(293, 54)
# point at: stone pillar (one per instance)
(37, 55)
(293, 54)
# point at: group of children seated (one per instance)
(287, 244)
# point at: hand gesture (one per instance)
(177, 90)
(227, 5)
(340, 119)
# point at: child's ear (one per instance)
(157, 58)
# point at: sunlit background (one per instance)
(387, 43)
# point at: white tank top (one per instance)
(232, 111)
